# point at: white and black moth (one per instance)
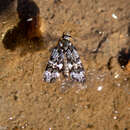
(64, 58)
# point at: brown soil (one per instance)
(102, 103)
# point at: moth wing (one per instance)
(74, 64)
(55, 65)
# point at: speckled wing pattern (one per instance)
(74, 64)
(64, 58)
(55, 65)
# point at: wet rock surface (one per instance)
(101, 34)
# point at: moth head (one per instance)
(66, 36)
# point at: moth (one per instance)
(64, 59)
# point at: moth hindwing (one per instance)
(65, 58)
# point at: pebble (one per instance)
(114, 16)
(115, 117)
(2, 35)
(11, 118)
(68, 117)
(116, 75)
(30, 19)
(99, 88)
(116, 112)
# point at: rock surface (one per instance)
(102, 103)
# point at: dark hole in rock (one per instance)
(124, 57)
(109, 63)
(116, 127)
(15, 97)
(15, 128)
(89, 126)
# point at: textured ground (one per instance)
(100, 30)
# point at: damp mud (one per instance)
(101, 34)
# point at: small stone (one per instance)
(115, 117)
(68, 117)
(114, 16)
(99, 88)
(30, 19)
(118, 84)
(11, 118)
(116, 75)
(2, 35)
(116, 112)
(4, 22)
